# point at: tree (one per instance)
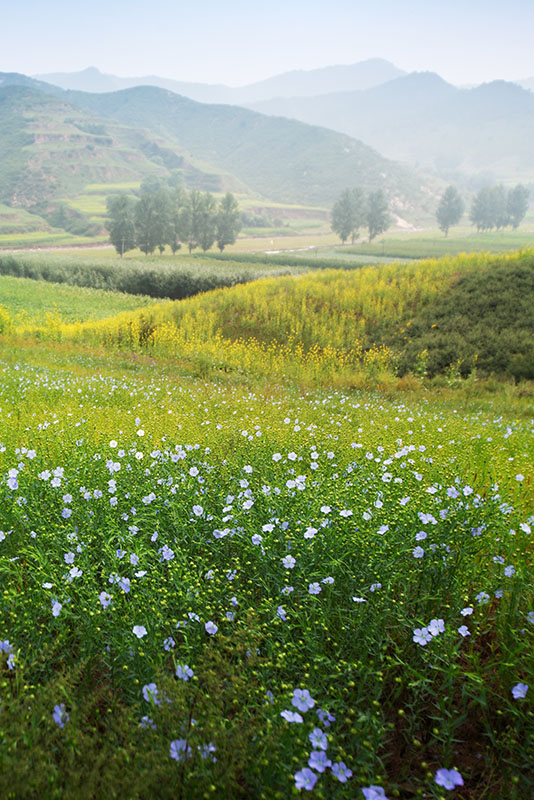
(121, 223)
(228, 221)
(204, 219)
(489, 208)
(343, 216)
(359, 211)
(144, 224)
(180, 219)
(450, 209)
(162, 208)
(378, 218)
(517, 204)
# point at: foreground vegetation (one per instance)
(454, 317)
(222, 576)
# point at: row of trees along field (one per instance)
(492, 207)
(354, 210)
(172, 217)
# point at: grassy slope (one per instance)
(399, 711)
(29, 300)
(278, 158)
(457, 309)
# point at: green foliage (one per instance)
(203, 219)
(338, 480)
(494, 207)
(228, 221)
(164, 217)
(122, 235)
(349, 213)
(173, 279)
(343, 216)
(517, 204)
(450, 209)
(484, 319)
(377, 215)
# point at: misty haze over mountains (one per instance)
(305, 83)
(55, 142)
(469, 135)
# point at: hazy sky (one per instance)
(241, 41)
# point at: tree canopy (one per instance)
(450, 209)
(168, 216)
(378, 217)
(353, 210)
(494, 207)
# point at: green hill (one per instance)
(424, 121)
(126, 135)
(449, 315)
(277, 158)
(50, 151)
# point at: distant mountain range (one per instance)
(55, 142)
(430, 124)
(304, 83)
(469, 136)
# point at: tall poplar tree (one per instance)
(450, 209)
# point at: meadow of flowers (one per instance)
(213, 590)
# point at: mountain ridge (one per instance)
(362, 74)
(279, 159)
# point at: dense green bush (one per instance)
(174, 280)
(485, 320)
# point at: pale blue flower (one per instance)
(105, 599)
(318, 739)
(291, 716)
(449, 778)
(211, 628)
(150, 693)
(314, 588)
(60, 716)
(374, 793)
(305, 779)
(422, 636)
(139, 631)
(326, 717)
(520, 690)
(302, 699)
(184, 672)
(341, 771)
(463, 630)
(436, 626)
(319, 761)
(207, 750)
(179, 749)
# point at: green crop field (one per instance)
(240, 559)
(28, 300)
(423, 245)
